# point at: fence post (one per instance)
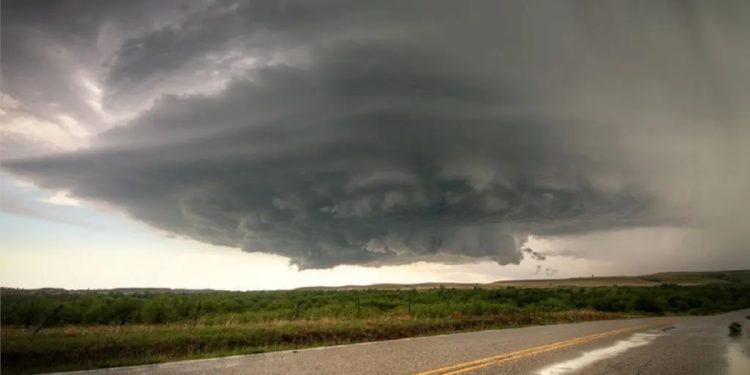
(47, 319)
(411, 298)
(197, 314)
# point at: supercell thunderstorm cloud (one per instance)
(371, 133)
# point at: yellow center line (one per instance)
(497, 359)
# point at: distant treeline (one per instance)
(22, 308)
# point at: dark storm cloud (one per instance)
(230, 31)
(52, 52)
(376, 153)
(535, 255)
(371, 134)
(38, 38)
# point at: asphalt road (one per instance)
(663, 346)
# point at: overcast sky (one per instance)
(276, 144)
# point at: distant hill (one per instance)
(700, 277)
(108, 291)
(680, 278)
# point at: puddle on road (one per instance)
(588, 358)
(738, 359)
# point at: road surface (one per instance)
(663, 346)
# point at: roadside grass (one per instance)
(69, 348)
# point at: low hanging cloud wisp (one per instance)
(443, 133)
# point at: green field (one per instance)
(91, 329)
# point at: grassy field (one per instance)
(92, 329)
(76, 347)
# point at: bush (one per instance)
(649, 303)
(29, 308)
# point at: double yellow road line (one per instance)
(501, 358)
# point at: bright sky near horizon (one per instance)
(257, 145)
